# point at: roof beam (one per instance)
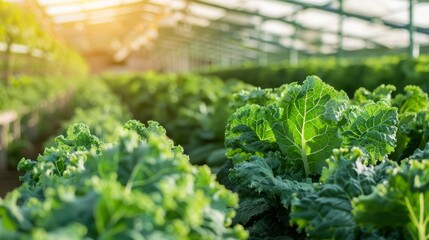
(329, 8)
(213, 30)
(239, 38)
(172, 44)
(209, 41)
(281, 19)
(250, 27)
(204, 38)
(212, 56)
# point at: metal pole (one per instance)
(3, 145)
(293, 52)
(340, 30)
(412, 50)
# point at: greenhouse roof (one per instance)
(238, 28)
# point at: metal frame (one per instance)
(201, 38)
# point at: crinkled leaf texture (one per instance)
(414, 100)
(249, 133)
(305, 123)
(412, 134)
(327, 213)
(371, 127)
(139, 186)
(265, 196)
(256, 174)
(421, 154)
(256, 96)
(401, 202)
(279, 147)
(381, 93)
(62, 159)
(413, 130)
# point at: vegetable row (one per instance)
(305, 160)
(193, 109)
(104, 179)
(29, 92)
(348, 75)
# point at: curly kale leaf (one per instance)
(381, 93)
(401, 202)
(413, 130)
(249, 133)
(62, 159)
(305, 123)
(327, 213)
(372, 127)
(139, 186)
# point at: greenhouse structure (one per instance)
(214, 119)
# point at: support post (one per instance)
(413, 50)
(17, 129)
(340, 30)
(7, 58)
(293, 51)
(3, 145)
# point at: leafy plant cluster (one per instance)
(137, 186)
(31, 96)
(103, 112)
(28, 92)
(307, 161)
(99, 108)
(194, 109)
(106, 180)
(348, 75)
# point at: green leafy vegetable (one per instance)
(249, 133)
(327, 213)
(305, 123)
(381, 93)
(138, 186)
(373, 128)
(413, 130)
(401, 202)
(280, 145)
